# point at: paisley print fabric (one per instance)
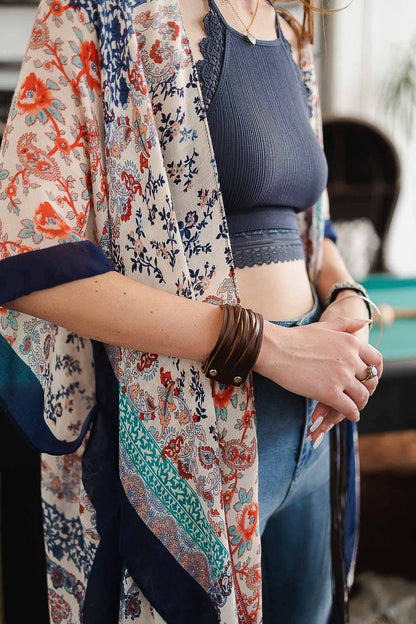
(149, 469)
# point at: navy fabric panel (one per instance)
(173, 592)
(329, 231)
(44, 268)
(101, 482)
(21, 396)
(176, 596)
(352, 500)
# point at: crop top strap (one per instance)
(301, 76)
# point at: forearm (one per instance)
(333, 269)
(115, 309)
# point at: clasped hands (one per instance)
(325, 417)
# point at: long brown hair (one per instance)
(305, 31)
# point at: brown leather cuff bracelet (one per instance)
(237, 347)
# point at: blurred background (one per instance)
(366, 64)
(367, 74)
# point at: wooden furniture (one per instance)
(363, 176)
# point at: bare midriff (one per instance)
(279, 291)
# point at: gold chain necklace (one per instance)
(249, 35)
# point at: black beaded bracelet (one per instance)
(345, 285)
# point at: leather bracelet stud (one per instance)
(237, 347)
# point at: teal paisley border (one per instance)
(161, 476)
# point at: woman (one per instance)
(113, 226)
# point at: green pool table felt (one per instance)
(398, 341)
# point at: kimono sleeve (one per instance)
(51, 185)
(47, 167)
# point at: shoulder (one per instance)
(289, 27)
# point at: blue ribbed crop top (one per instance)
(270, 163)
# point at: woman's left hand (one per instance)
(324, 417)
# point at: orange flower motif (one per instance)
(81, 220)
(175, 30)
(11, 190)
(175, 128)
(90, 62)
(49, 223)
(144, 18)
(222, 398)
(62, 145)
(247, 418)
(39, 36)
(57, 8)
(204, 283)
(33, 95)
(254, 576)
(154, 52)
(247, 521)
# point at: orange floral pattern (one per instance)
(33, 95)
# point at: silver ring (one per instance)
(372, 372)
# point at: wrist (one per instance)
(355, 307)
(272, 337)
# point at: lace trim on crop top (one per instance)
(265, 246)
(212, 48)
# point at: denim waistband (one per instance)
(308, 317)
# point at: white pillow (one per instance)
(358, 243)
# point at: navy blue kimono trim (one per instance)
(173, 592)
(102, 484)
(22, 397)
(21, 393)
(352, 501)
(329, 231)
(44, 268)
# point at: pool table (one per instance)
(392, 407)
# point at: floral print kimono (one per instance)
(149, 469)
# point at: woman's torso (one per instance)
(279, 290)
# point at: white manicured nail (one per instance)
(309, 438)
(318, 440)
(316, 424)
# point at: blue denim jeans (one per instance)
(294, 502)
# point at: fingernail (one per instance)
(319, 440)
(330, 427)
(316, 424)
(309, 438)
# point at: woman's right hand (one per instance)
(321, 360)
